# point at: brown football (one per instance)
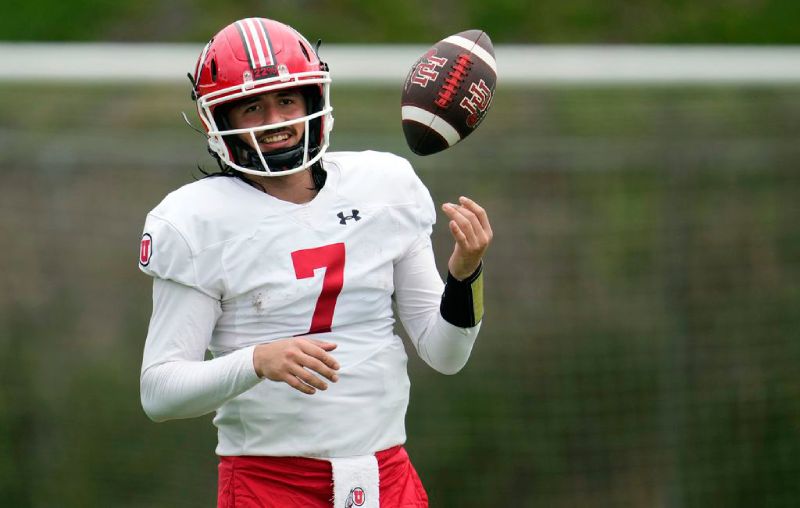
(448, 91)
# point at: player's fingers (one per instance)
(479, 212)
(327, 346)
(479, 236)
(458, 235)
(461, 218)
(475, 238)
(472, 211)
(315, 350)
(308, 377)
(298, 385)
(321, 368)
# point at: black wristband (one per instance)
(462, 300)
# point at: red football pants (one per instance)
(289, 482)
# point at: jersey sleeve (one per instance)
(176, 381)
(166, 253)
(443, 344)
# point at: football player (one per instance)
(284, 265)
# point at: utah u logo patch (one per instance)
(145, 249)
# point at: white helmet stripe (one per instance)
(262, 62)
(201, 62)
(267, 43)
(243, 32)
(437, 123)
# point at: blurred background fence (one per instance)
(640, 347)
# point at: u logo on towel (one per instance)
(355, 498)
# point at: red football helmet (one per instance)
(253, 56)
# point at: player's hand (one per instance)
(472, 232)
(300, 362)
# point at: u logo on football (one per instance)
(425, 70)
(477, 103)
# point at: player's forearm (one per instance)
(446, 347)
(185, 389)
(446, 344)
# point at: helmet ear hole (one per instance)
(214, 70)
(304, 50)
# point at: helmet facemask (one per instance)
(226, 143)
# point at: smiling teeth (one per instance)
(275, 138)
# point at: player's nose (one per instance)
(271, 114)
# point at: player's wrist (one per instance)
(462, 300)
(257, 362)
(464, 274)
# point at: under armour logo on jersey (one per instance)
(344, 218)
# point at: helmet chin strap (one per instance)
(279, 160)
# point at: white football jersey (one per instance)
(326, 269)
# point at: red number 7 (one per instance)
(330, 257)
